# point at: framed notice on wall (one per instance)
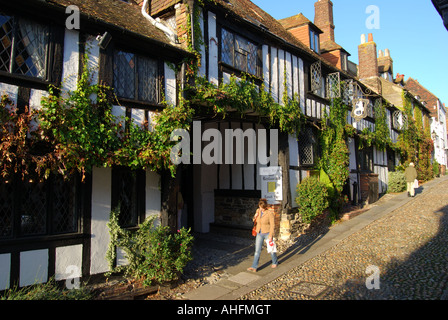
(271, 184)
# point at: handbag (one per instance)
(254, 231)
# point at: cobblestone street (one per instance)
(407, 249)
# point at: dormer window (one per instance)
(314, 41)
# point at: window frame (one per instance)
(310, 134)
(49, 225)
(138, 216)
(232, 66)
(48, 58)
(159, 86)
(365, 160)
(314, 41)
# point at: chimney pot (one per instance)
(363, 38)
(387, 52)
(380, 54)
(370, 37)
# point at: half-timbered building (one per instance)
(58, 227)
(139, 48)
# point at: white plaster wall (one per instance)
(295, 76)
(294, 180)
(153, 194)
(70, 65)
(202, 67)
(122, 259)
(293, 151)
(288, 74)
(281, 75)
(5, 270)
(68, 262)
(138, 116)
(101, 207)
(93, 57)
(274, 74)
(249, 169)
(170, 85)
(266, 66)
(33, 267)
(213, 49)
(302, 85)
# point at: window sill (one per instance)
(224, 67)
(131, 103)
(21, 80)
(30, 242)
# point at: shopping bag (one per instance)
(271, 246)
(415, 184)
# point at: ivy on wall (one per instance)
(334, 160)
(415, 141)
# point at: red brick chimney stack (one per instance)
(367, 54)
(323, 19)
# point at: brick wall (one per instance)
(159, 5)
(239, 212)
(323, 18)
(368, 62)
(334, 57)
(369, 187)
(302, 33)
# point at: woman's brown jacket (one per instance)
(266, 223)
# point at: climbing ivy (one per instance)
(414, 142)
(334, 161)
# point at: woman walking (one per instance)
(264, 226)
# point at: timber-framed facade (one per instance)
(237, 38)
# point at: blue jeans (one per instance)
(259, 240)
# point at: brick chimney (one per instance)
(367, 54)
(323, 19)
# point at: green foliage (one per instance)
(414, 142)
(154, 253)
(83, 133)
(80, 126)
(312, 198)
(46, 291)
(435, 168)
(334, 161)
(397, 182)
(18, 142)
(243, 95)
(380, 137)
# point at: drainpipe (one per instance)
(156, 22)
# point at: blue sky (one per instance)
(412, 30)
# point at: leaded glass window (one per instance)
(127, 195)
(135, 77)
(307, 147)
(32, 208)
(24, 45)
(239, 52)
(316, 76)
